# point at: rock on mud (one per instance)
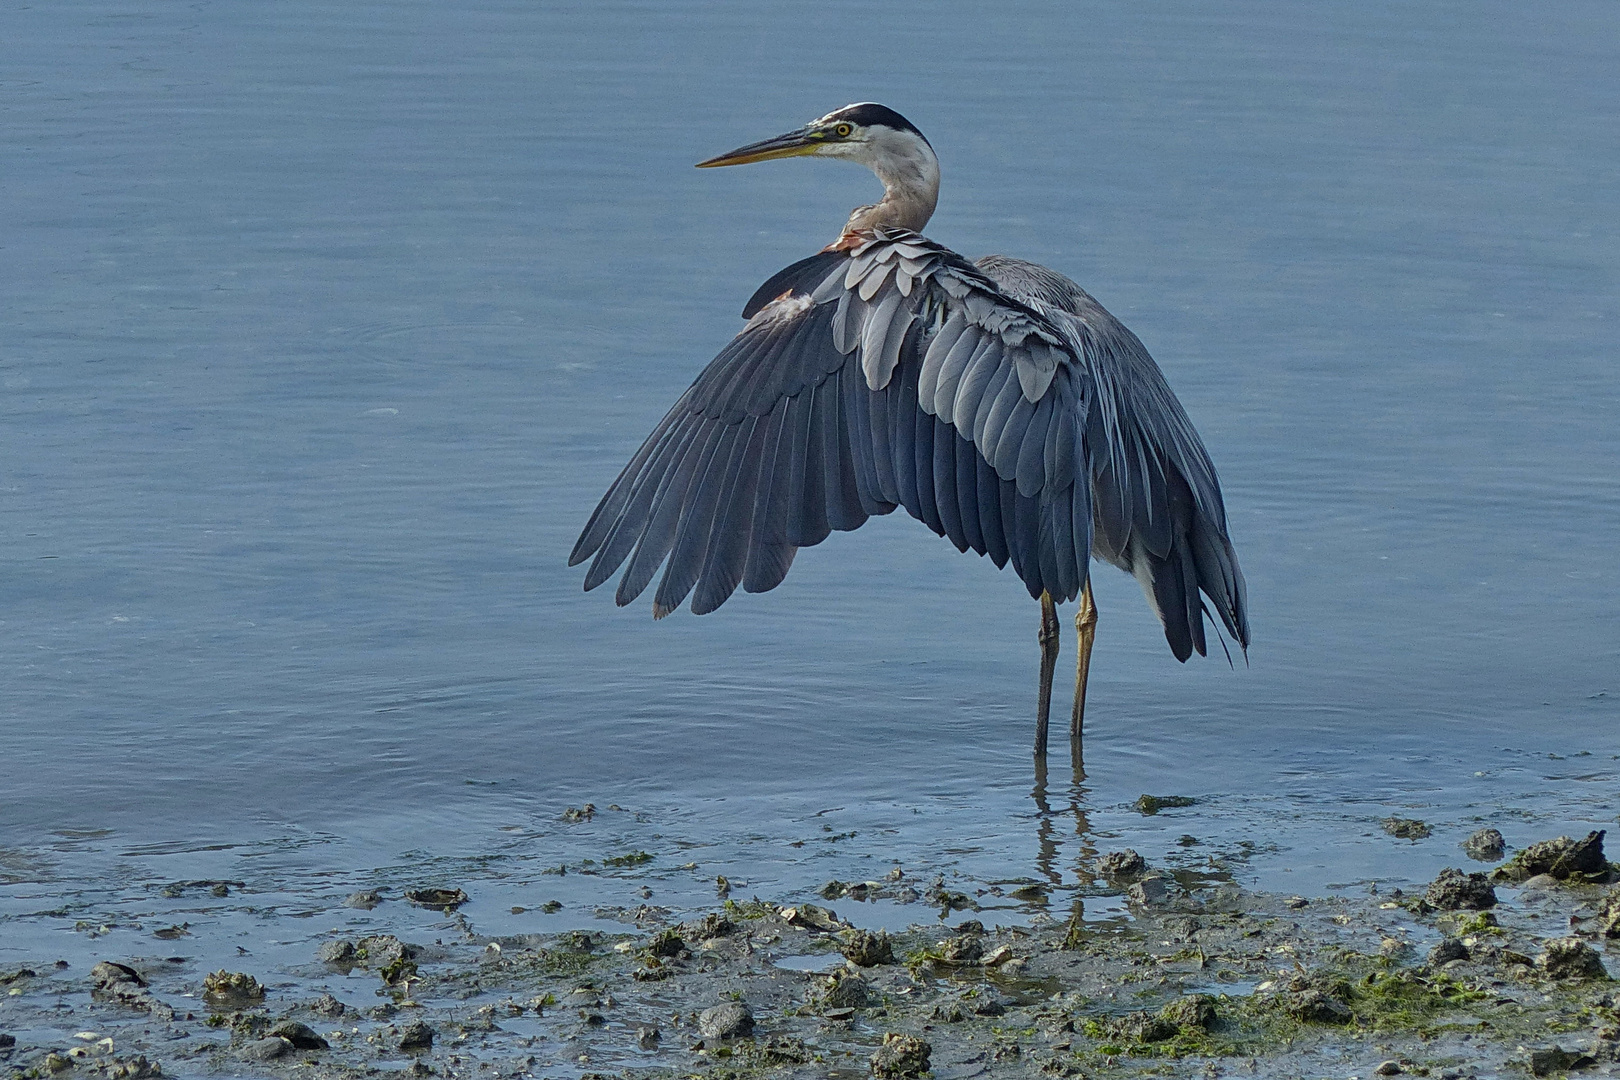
(731, 1020)
(1454, 890)
(1609, 914)
(266, 1049)
(1152, 889)
(901, 1057)
(115, 979)
(1555, 1059)
(232, 989)
(417, 1035)
(1192, 1011)
(338, 953)
(1315, 1007)
(301, 1036)
(846, 990)
(1571, 958)
(1121, 864)
(866, 949)
(1561, 858)
(712, 925)
(1486, 845)
(1446, 951)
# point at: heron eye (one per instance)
(842, 131)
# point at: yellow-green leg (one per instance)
(1085, 627)
(1049, 654)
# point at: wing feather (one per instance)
(894, 374)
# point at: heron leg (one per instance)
(1049, 653)
(1085, 626)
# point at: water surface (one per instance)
(327, 326)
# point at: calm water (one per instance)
(326, 325)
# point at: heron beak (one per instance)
(807, 140)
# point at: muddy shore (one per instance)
(1170, 973)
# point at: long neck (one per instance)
(910, 174)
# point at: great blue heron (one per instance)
(995, 400)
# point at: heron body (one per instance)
(995, 400)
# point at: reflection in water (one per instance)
(1047, 829)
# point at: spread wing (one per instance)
(892, 374)
(1157, 509)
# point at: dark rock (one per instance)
(441, 899)
(1454, 890)
(338, 953)
(1121, 864)
(1149, 891)
(111, 976)
(901, 1057)
(666, 943)
(1388, 1068)
(20, 973)
(988, 1005)
(416, 1035)
(302, 1036)
(1446, 951)
(647, 1037)
(266, 1049)
(1152, 804)
(7, 1041)
(1571, 958)
(1486, 845)
(1554, 1059)
(845, 990)
(970, 926)
(731, 1020)
(1561, 858)
(1315, 1007)
(866, 949)
(1192, 1011)
(366, 899)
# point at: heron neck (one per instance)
(910, 192)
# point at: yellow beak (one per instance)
(807, 140)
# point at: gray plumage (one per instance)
(997, 402)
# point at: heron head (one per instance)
(867, 133)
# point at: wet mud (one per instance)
(1152, 972)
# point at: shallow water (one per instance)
(328, 325)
